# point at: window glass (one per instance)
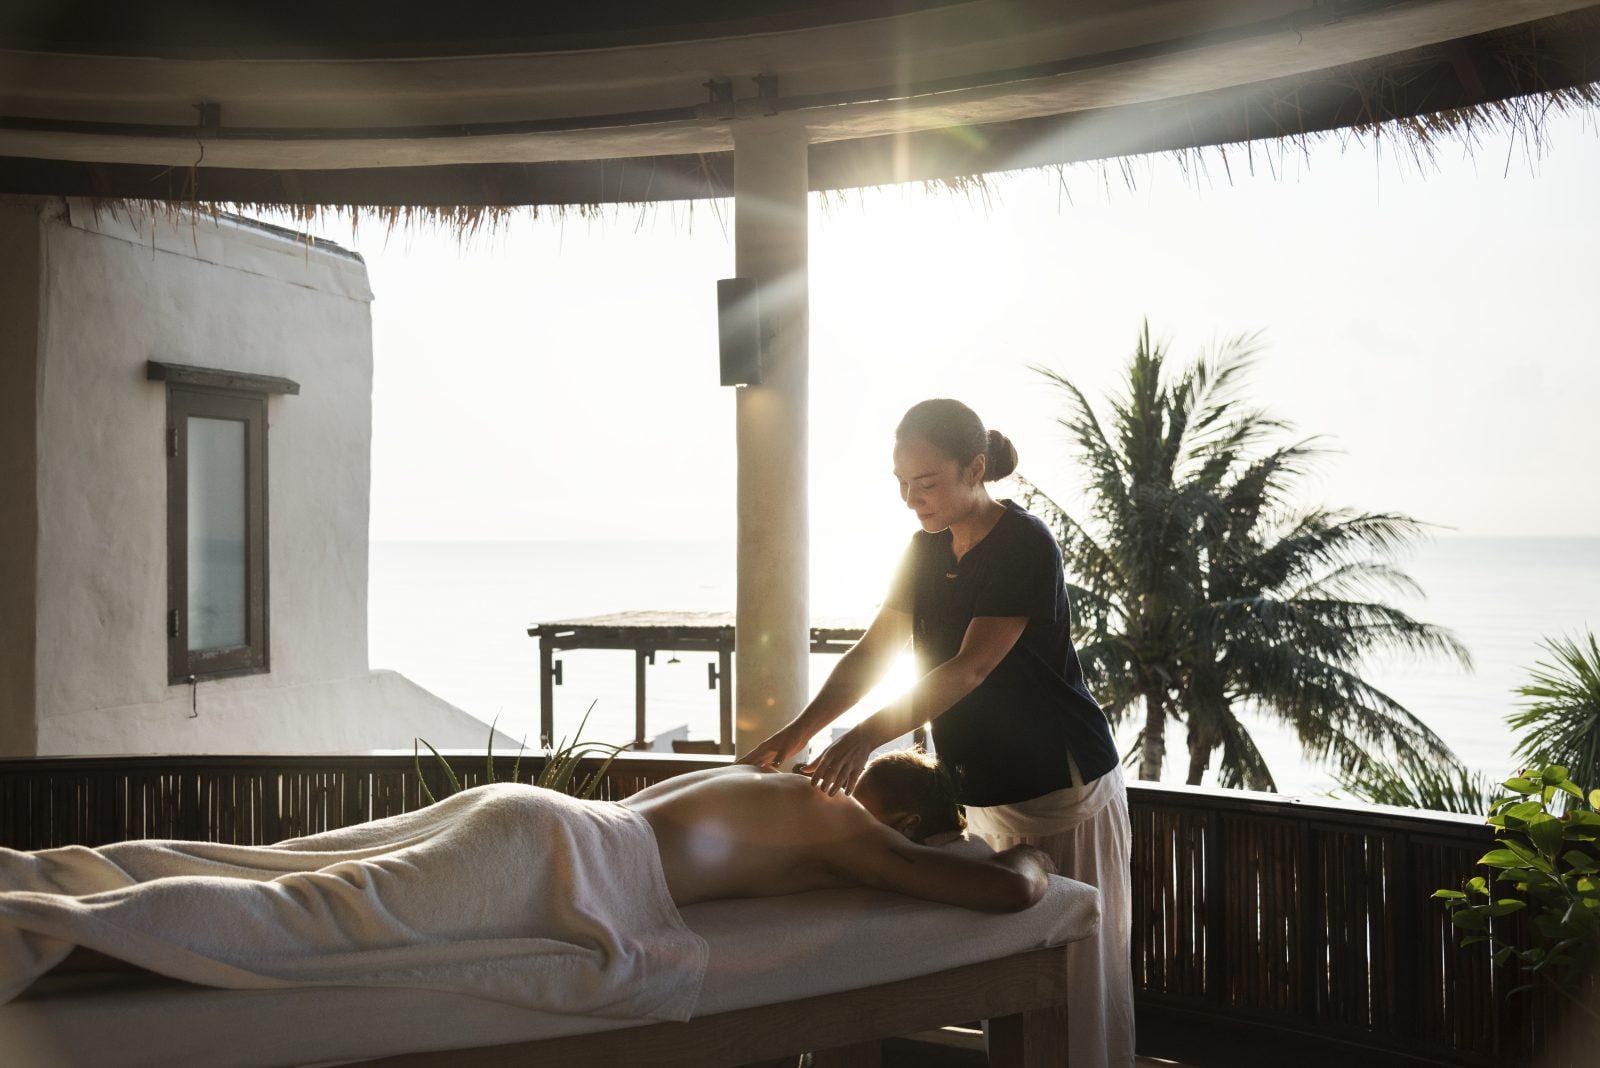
(216, 469)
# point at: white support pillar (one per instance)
(773, 626)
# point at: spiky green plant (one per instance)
(1560, 724)
(1442, 786)
(559, 772)
(1200, 587)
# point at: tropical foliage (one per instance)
(1547, 864)
(1560, 724)
(1443, 786)
(560, 771)
(1202, 588)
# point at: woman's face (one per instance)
(935, 486)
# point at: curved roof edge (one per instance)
(1448, 87)
(387, 29)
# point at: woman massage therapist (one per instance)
(981, 595)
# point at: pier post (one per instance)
(772, 628)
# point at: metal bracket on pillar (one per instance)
(767, 92)
(719, 94)
(722, 105)
(210, 120)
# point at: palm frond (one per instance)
(1435, 785)
(1342, 631)
(1337, 716)
(1242, 765)
(1358, 578)
(1105, 464)
(1560, 722)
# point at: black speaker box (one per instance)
(739, 331)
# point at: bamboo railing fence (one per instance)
(1262, 926)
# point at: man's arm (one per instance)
(879, 857)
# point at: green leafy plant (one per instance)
(560, 770)
(1546, 862)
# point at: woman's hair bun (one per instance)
(955, 430)
(1000, 457)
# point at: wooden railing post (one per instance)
(1404, 895)
(1216, 915)
(1309, 914)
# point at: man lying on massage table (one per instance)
(743, 831)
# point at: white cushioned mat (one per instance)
(763, 951)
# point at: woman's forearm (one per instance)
(851, 679)
(933, 695)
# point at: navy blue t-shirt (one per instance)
(1009, 738)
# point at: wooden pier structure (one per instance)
(647, 633)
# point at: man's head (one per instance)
(911, 792)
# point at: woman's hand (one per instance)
(841, 764)
(776, 750)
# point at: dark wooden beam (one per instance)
(183, 374)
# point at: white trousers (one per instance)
(1085, 830)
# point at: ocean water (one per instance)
(453, 616)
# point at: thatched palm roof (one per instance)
(633, 102)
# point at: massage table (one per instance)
(829, 970)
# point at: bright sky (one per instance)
(559, 380)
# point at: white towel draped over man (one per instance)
(507, 892)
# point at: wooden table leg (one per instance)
(1035, 1039)
(857, 1055)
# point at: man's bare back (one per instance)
(744, 831)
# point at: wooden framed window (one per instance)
(217, 620)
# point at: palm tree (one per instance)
(1201, 590)
(1560, 724)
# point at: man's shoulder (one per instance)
(809, 819)
(798, 789)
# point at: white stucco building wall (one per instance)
(107, 294)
